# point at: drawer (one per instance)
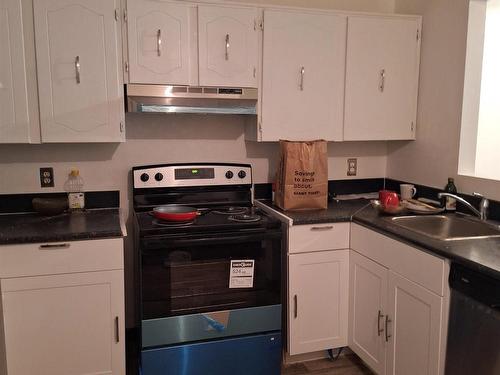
(318, 237)
(61, 257)
(416, 265)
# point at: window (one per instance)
(480, 132)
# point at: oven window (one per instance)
(194, 279)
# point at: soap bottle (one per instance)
(450, 203)
(74, 187)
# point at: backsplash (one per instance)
(153, 139)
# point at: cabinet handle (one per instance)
(382, 80)
(387, 321)
(302, 73)
(227, 46)
(295, 307)
(322, 228)
(77, 69)
(158, 42)
(117, 330)
(54, 246)
(379, 316)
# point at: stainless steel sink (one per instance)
(447, 227)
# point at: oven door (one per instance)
(198, 288)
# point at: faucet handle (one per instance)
(479, 195)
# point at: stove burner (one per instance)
(244, 218)
(172, 224)
(231, 210)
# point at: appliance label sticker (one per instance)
(241, 273)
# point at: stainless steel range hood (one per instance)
(187, 99)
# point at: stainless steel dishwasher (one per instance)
(474, 326)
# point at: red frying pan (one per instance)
(175, 212)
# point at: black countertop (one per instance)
(482, 255)
(337, 211)
(88, 224)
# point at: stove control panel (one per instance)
(180, 175)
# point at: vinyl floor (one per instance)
(348, 364)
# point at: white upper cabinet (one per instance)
(228, 43)
(78, 53)
(161, 42)
(303, 76)
(14, 116)
(382, 68)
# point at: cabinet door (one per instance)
(228, 46)
(14, 117)
(78, 62)
(318, 301)
(382, 67)
(367, 309)
(160, 42)
(414, 328)
(64, 324)
(303, 76)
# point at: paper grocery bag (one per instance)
(302, 176)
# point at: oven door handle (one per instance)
(161, 243)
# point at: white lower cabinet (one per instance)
(65, 323)
(367, 304)
(318, 300)
(413, 328)
(397, 326)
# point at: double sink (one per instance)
(453, 227)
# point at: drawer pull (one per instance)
(323, 228)
(387, 321)
(54, 246)
(117, 330)
(380, 316)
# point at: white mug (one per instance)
(408, 191)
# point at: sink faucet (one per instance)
(482, 213)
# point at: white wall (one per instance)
(160, 138)
(434, 155)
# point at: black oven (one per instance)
(191, 274)
(209, 288)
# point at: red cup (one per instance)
(388, 198)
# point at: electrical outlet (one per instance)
(46, 177)
(352, 167)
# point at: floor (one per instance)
(348, 364)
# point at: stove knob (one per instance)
(242, 174)
(158, 177)
(144, 177)
(229, 174)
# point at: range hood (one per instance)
(188, 99)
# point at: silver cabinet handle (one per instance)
(117, 330)
(295, 307)
(329, 227)
(77, 69)
(302, 73)
(54, 246)
(382, 80)
(227, 46)
(379, 316)
(387, 321)
(158, 42)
